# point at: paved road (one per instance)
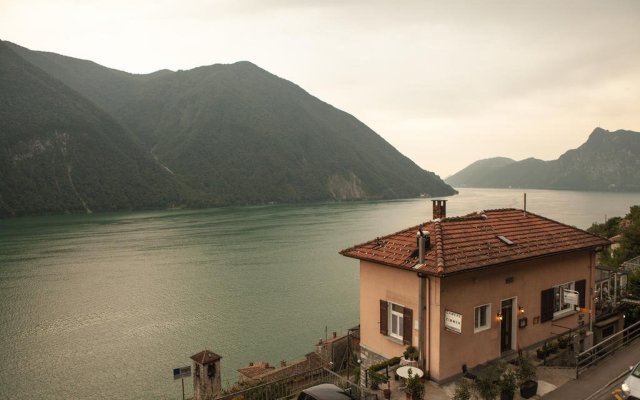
(600, 381)
(612, 391)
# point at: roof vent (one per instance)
(505, 240)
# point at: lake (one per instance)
(105, 306)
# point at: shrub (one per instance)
(415, 387)
(508, 382)
(463, 390)
(526, 371)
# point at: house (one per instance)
(470, 289)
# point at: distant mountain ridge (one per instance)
(607, 161)
(61, 153)
(214, 135)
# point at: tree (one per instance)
(629, 227)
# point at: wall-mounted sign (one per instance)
(522, 322)
(570, 297)
(183, 372)
(452, 321)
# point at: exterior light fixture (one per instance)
(521, 309)
(499, 316)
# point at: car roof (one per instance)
(327, 391)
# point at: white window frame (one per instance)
(559, 308)
(400, 319)
(479, 328)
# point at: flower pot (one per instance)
(528, 389)
(409, 362)
(506, 395)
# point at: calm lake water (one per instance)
(104, 306)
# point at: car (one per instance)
(325, 391)
(631, 385)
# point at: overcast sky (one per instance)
(446, 83)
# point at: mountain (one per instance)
(214, 135)
(479, 171)
(607, 161)
(61, 153)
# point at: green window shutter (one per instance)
(546, 305)
(407, 326)
(581, 288)
(384, 317)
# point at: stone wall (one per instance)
(368, 358)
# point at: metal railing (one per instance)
(289, 387)
(606, 347)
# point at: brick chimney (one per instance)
(439, 209)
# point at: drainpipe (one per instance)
(592, 313)
(423, 323)
(422, 330)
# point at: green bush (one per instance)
(463, 390)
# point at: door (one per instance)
(506, 325)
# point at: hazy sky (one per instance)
(446, 83)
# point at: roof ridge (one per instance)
(469, 217)
(575, 228)
(439, 250)
(378, 238)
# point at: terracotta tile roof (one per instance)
(469, 242)
(205, 357)
(254, 371)
(262, 370)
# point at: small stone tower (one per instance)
(206, 375)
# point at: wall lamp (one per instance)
(521, 309)
(499, 316)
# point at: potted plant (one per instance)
(410, 355)
(415, 388)
(553, 347)
(563, 341)
(463, 390)
(507, 385)
(526, 376)
(543, 351)
(486, 387)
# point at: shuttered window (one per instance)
(396, 321)
(384, 317)
(408, 325)
(581, 288)
(552, 300)
(546, 305)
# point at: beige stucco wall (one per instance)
(447, 351)
(379, 282)
(464, 292)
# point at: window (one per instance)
(559, 306)
(482, 318)
(552, 303)
(396, 321)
